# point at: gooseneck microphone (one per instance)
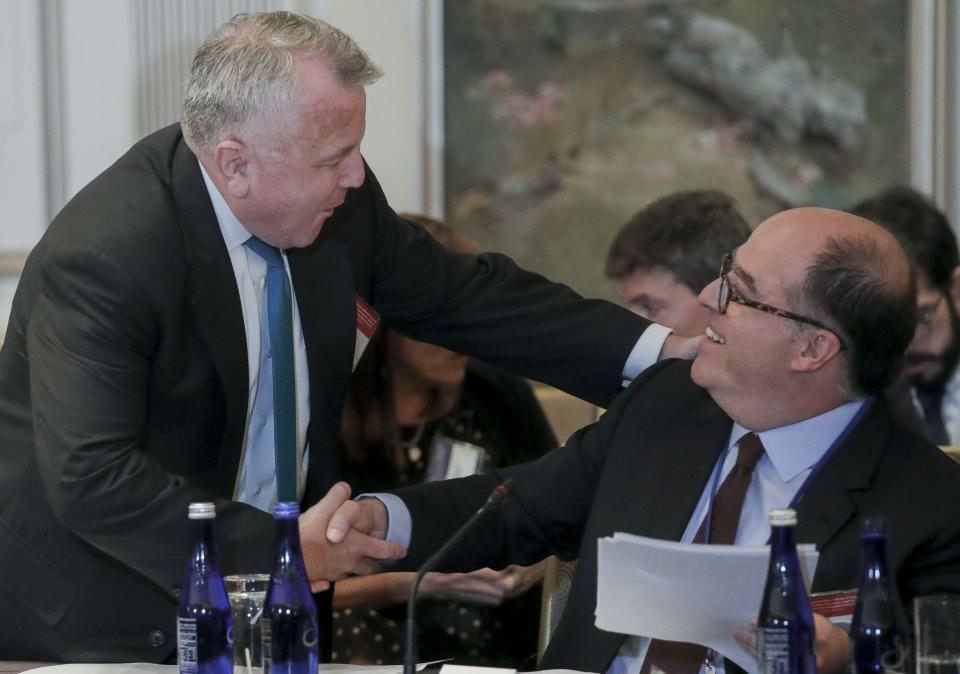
(492, 503)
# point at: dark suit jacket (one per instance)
(123, 387)
(642, 468)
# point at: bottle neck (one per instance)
(782, 540)
(874, 562)
(288, 541)
(204, 551)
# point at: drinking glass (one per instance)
(937, 625)
(247, 592)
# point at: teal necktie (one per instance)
(280, 323)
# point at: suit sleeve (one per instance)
(90, 341)
(487, 307)
(933, 565)
(545, 513)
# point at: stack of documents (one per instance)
(685, 592)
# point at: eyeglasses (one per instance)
(729, 294)
(927, 312)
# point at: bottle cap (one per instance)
(783, 517)
(286, 510)
(874, 527)
(202, 511)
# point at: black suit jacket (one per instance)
(123, 387)
(642, 468)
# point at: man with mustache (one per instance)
(931, 384)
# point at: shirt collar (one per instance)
(796, 448)
(234, 233)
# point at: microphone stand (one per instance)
(493, 501)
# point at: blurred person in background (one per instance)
(929, 391)
(419, 412)
(667, 253)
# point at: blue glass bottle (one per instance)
(879, 626)
(290, 631)
(204, 620)
(785, 638)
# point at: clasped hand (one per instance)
(334, 547)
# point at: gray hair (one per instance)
(247, 70)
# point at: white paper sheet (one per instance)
(684, 592)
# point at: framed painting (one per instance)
(564, 117)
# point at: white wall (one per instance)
(393, 145)
(22, 188)
(99, 87)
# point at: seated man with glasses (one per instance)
(783, 406)
(930, 387)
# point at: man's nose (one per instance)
(919, 339)
(708, 297)
(352, 174)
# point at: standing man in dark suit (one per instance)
(137, 372)
(811, 317)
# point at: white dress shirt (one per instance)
(257, 482)
(949, 407)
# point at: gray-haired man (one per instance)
(138, 372)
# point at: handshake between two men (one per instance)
(341, 537)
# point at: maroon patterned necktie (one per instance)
(678, 657)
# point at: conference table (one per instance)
(147, 668)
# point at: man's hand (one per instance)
(834, 646)
(484, 587)
(355, 552)
(676, 346)
(832, 643)
(746, 636)
(367, 516)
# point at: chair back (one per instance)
(556, 588)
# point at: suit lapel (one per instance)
(827, 504)
(216, 305)
(675, 479)
(659, 475)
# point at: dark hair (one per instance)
(369, 432)
(847, 286)
(922, 230)
(685, 232)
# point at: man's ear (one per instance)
(231, 159)
(817, 349)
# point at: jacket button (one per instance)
(157, 638)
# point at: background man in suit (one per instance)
(667, 252)
(810, 320)
(137, 373)
(932, 384)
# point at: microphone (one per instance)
(492, 503)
